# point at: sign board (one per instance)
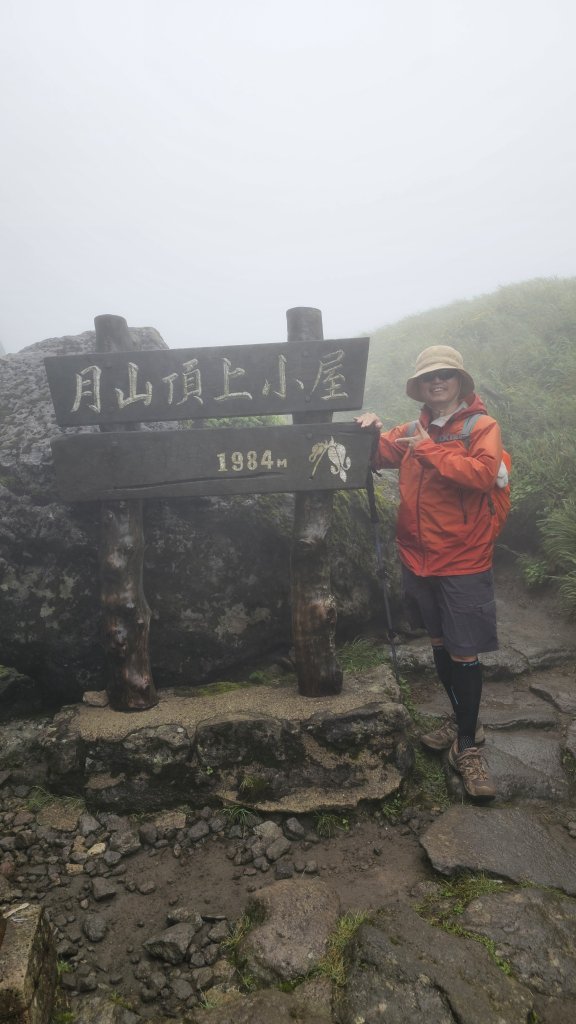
(196, 462)
(197, 383)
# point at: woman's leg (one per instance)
(443, 663)
(466, 696)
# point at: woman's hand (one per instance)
(415, 439)
(369, 421)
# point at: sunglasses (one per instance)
(438, 374)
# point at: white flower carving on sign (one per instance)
(340, 462)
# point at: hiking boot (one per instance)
(443, 737)
(473, 771)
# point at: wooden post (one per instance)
(125, 611)
(313, 605)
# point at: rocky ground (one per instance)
(470, 911)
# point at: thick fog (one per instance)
(201, 167)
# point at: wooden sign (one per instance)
(197, 383)
(185, 463)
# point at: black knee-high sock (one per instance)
(467, 691)
(443, 663)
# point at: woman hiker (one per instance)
(450, 461)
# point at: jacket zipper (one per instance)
(418, 520)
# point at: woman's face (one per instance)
(440, 389)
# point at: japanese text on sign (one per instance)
(174, 384)
(187, 384)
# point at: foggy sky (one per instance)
(200, 167)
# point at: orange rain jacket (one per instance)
(445, 525)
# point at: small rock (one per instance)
(146, 887)
(97, 850)
(156, 979)
(115, 822)
(73, 869)
(258, 847)
(95, 927)
(172, 945)
(224, 972)
(142, 971)
(125, 843)
(66, 949)
(102, 889)
(87, 825)
(278, 848)
(219, 932)
(284, 869)
(181, 989)
(203, 977)
(211, 953)
(293, 829)
(87, 984)
(244, 855)
(8, 868)
(111, 858)
(170, 822)
(196, 957)
(182, 915)
(217, 824)
(198, 831)
(148, 833)
(269, 831)
(95, 698)
(23, 818)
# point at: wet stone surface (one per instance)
(150, 910)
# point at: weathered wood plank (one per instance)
(199, 383)
(184, 463)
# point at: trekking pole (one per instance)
(382, 570)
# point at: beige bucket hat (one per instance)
(438, 357)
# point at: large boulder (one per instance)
(403, 970)
(216, 570)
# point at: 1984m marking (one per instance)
(250, 460)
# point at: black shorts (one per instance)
(461, 609)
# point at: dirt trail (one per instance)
(369, 858)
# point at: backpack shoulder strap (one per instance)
(464, 433)
(470, 422)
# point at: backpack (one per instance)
(499, 496)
